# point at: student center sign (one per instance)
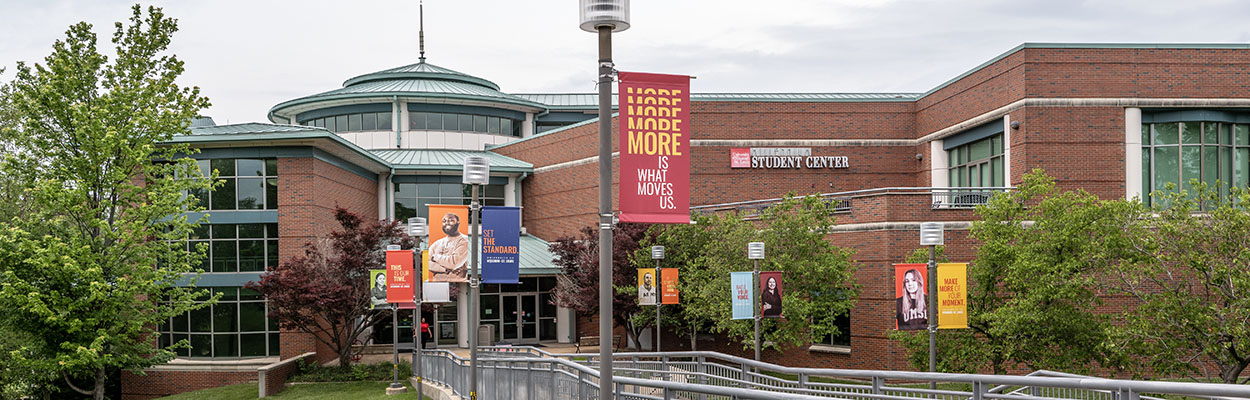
(780, 158)
(389, 144)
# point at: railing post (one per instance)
(1127, 394)
(581, 383)
(746, 377)
(978, 390)
(877, 383)
(701, 368)
(1035, 391)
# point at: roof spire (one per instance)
(421, 35)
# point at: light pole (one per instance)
(931, 235)
(657, 254)
(395, 387)
(476, 173)
(604, 17)
(417, 228)
(755, 251)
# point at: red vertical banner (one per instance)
(668, 286)
(399, 276)
(770, 294)
(654, 148)
(910, 302)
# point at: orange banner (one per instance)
(399, 276)
(449, 243)
(668, 286)
(911, 304)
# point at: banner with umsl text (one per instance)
(654, 148)
(501, 243)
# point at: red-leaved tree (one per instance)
(325, 291)
(578, 287)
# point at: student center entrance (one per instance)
(1118, 120)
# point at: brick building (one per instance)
(1116, 120)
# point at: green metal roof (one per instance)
(536, 257)
(253, 128)
(448, 160)
(416, 80)
(421, 70)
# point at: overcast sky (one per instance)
(250, 55)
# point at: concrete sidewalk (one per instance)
(381, 353)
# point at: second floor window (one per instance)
(977, 164)
(246, 184)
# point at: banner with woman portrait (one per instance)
(449, 243)
(911, 303)
(648, 286)
(377, 289)
(770, 294)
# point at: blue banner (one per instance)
(501, 244)
(743, 294)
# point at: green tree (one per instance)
(818, 276)
(1191, 286)
(1033, 288)
(89, 270)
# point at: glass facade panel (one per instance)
(369, 121)
(239, 327)
(416, 120)
(1166, 133)
(466, 122)
(1208, 154)
(977, 164)
(251, 193)
(384, 121)
(479, 123)
(246, 184)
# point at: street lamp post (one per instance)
(755, 252)
(931, 235)
(657, 254)
(476, 173)
(395, 387)
(417, 229)
(604, 17)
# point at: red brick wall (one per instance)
(164, 383)
(1081, 146)
(309, 190)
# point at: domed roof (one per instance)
(420, 80)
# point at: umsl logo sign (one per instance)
(739, 157)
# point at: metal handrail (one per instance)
(711, 368)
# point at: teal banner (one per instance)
(743, 295)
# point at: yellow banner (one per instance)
(425, 265)
(952, 295)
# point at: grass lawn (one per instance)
(311, 391)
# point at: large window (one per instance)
(237, 247)
(375, 121)
(411, 199)
(1178, 152)
(977, 164)
(245, 184)
(433, 121)
(843, 337)
(237, 326)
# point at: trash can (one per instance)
(485, 335)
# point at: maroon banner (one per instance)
(770, 294)
(655, 148)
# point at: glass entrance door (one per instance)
(528, 318)
(519, 318)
